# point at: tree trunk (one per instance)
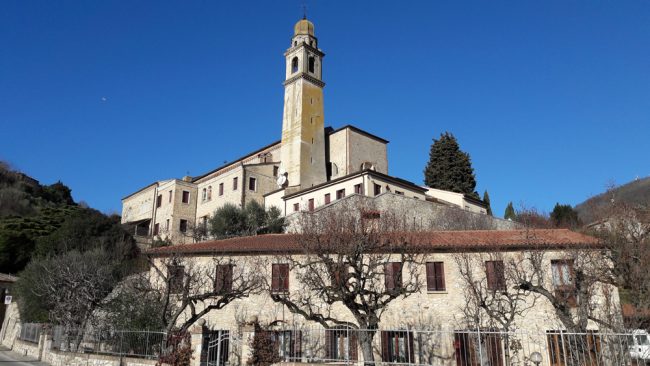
(365, 340)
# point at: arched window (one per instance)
(312, 63)
(203, 194)
(294, 65)
(334, 170)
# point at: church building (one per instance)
(311, 167)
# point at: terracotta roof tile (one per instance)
(428, 241)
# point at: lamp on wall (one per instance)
(536, 357)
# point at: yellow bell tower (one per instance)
(303, 133)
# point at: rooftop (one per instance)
(426, 241)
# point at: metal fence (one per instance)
(141, 344)
(30, 332)
(474, 347)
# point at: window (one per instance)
(252, 184)
(220, 189)
(474, 350)
(312, 64)
(186, 197)
(167, 225)
(327, 198)
(399, 192)
(287, 343)
(217, 355)
(340, 194)
(183, 226)
(393, 275)
(275, 171)
(170, 196)
(204, 195)
(397, 346)
(175, 276)
(310, 204)
(565, 348)
(156, 229)
(357, 189)
(280, 277)
(204, 222)
(294, 65)
(435, 276)
(159, 201)
(562, 273)
(496, 280)
(377, 189)
(209, 193)
(296, 207)
(341, 344)
(340, 274)
(235, 182)
(223, 278)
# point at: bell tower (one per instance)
(303, 133)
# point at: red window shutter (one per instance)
(500, 275)
(327, 198)
(311, 204)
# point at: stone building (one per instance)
(311, 166)
(434, 325)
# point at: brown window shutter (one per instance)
(397, 274)
(411, 353)
(329, 346)
(440, 276)
(354, 345)
(489, 271)
(275, 278)
(285, 276)
(389, 279)
(500, 275)
(385, 354)
(431, 278)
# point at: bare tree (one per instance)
(493, 299)
(625, 229)
(190, 288)
(355, 257)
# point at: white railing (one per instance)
(142, 344)
(30, 332)
(461, 347)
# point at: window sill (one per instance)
(437, 292)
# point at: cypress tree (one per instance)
(449, 168)
(486, 199)
(510, 212)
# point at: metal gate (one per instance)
(216, 348)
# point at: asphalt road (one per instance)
(8, 358)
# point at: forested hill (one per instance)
(636, 192)
(38, 220)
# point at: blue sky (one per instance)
(550, 98)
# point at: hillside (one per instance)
(636, 192)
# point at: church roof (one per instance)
(303, 26)
(432, 241)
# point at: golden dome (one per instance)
(303, 26)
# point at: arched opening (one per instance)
(367, 165)
(334, 170)
(294, 65)
(312, 63)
